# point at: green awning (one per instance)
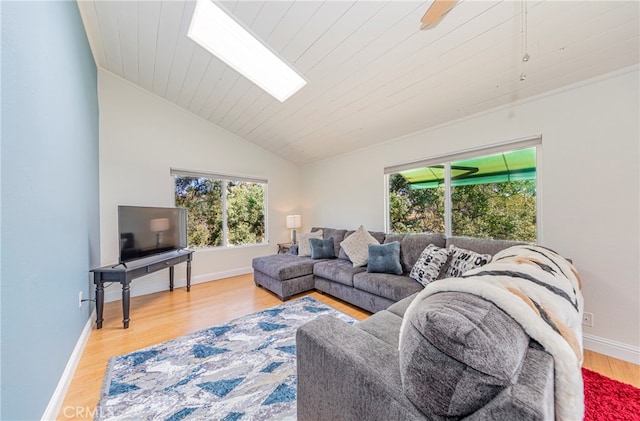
(498, 168)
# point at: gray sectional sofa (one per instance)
(460, 356)
(289, 274)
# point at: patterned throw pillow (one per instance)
(322, 249)
(304, 248)
(429, 264)
(356, 246)
(464, 260)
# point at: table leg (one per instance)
(171, 278)
(125, 304)
(99, 300)
(189, 275)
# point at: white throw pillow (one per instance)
(304, 248)
(429, 264)
(356, 246)
(464, 260)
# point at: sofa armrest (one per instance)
(531, 397)
(344, 373)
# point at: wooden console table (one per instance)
(125, 273)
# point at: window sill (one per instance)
(222, 248)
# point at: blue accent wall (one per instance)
(49, 196)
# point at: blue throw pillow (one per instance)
(322, 248)
(384, 258)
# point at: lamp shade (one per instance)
(159, 224)
(294, 221)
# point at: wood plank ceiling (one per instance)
(372, 74)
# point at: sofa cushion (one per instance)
(375, 234)
(384, 325)
(337, 235)
(392, 287)
(338, 270)
(401, 306)
(304, 247)
(284, 266)
(463, 260)
(481, 245)
(384, 258)
(322, 248)
(356, 246)
(473, 348)
(412, 245)
(390, 238)
(428, 267)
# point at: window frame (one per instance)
(225, 179)
(447, 159)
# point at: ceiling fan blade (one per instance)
(436, 12)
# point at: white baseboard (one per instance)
(115, 292)
(218, 275)
(55, 403)
(612, 348)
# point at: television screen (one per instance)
(145, 231)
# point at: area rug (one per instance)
(606, 399)
(240, 370)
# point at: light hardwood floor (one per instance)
(166, 315)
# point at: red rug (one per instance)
(607, 399)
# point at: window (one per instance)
(221, 210)
(498, 200)
(488, 196)
(415, 205)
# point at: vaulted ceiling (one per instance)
(372, 74)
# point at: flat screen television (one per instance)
(146, 231)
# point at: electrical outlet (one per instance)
(587, 319)
(80, 300)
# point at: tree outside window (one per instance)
(415, 209)
(245, 213)
(504, 210)
(492, 196)
(221, 212)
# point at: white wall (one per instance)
(589, 187)
(141, 137)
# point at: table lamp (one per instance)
(293, 222)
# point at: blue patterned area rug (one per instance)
(241, 370)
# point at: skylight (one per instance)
(222, 36)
